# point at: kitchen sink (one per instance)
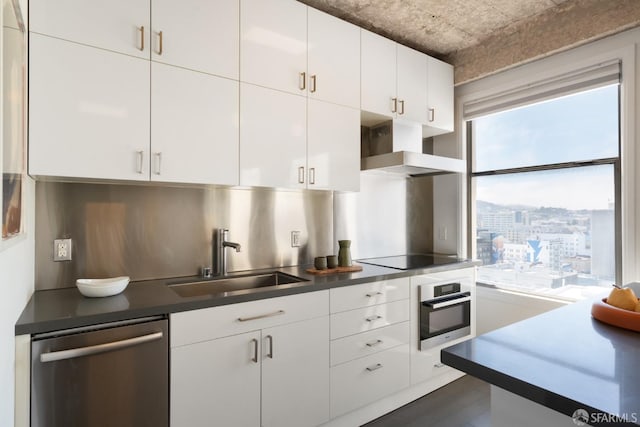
(234, 285)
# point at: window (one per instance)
(545, 186)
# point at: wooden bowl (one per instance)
(615, 316)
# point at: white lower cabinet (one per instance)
(274, 375)
(365, 380)
(295, 381)
(216, 382)
(370, 352)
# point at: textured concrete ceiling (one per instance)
(481, 37)
(437, 27)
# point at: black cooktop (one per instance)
(409, 262)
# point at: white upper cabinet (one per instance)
(394, 86)
(194, 127)
(88, 112)
(118, 25)
(273, 41)
(378, 74)
(412, 86)
(196, 34)
(273, 132)
(440, 98)
(333, 151)
(334, 59)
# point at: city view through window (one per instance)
(539, 227)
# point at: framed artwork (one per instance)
(12, 153)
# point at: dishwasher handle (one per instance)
(96, 349)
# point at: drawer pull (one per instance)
(373, 294)
(373, 343)
(374, 367)
(439, 365)
(373, 318)
(270, 339)
(254, 359)
(261, 316)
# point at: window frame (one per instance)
(616, 162)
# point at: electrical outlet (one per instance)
(295, 239)
(62, 250)
(442, 233)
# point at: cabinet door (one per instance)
(273, 150)
(378, 74)
(216, 383)
(440, 97)
(88, 112)
(199, 35)
(412, 86)
(295, 374)
(194, 127)
(117, 25)
(334, 59)
(273, 44)
(333, 147)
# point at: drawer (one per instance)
(367, 294)
(209, 323)
(365, 380)
(368, 318)
(367, 343)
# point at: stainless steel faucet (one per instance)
(220, 253)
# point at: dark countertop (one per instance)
(57, 309)
(563, 359)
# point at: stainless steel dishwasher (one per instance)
(114, 374)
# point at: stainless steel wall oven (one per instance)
(445, 313)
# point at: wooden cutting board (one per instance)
(352, 269)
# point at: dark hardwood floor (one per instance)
(463, 403)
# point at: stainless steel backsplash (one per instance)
(152, 232)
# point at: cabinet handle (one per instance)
(373, 318)
(312, 175)
(270, 353)
(432, 114)
(439, 365)
(159, 42)
(373, 343)
(302, 81)
(254, 359)
(313, 84)
(373, 294)
(140, 161)
(394, 105)
(158, 163)
(401, 107)
(260, 316)
(141, 30)
(374, 367)
(301, 175)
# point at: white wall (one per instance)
(496, 308)
(16, 287)
(16, 283)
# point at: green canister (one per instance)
(344, 254)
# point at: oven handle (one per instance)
(438, 305)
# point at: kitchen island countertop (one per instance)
(57, 309)
(563, 359)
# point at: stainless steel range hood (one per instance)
(397, 147)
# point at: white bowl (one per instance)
(102, 287)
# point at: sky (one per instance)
(578, 127)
